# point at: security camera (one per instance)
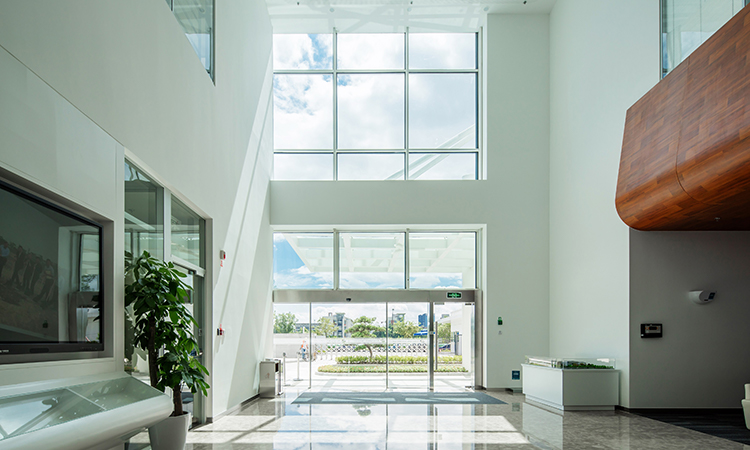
(702, 297)
(348, 299)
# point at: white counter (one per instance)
(572, 389)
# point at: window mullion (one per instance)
(406, 259)
(406, 107)
(336, 259)
(335, 82)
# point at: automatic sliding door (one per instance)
(291, 338)
(454, 345)
(348, 346)
(361, 340)
(408, 346)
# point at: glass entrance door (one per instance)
(408, 346)
(348, 349)
(193, 403)
(453, 357)
(353, 341)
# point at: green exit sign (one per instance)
(453, 295)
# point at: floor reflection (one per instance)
(273, 424)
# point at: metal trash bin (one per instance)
(270, 378)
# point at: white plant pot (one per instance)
(170, 433)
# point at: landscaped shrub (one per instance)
(400, 368)
(380, 359)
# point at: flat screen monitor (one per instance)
(50, 277)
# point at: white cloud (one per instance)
(442, 50)
(302, 278)
(371, 51)
(440, 107)
(303, 112)
(371, 111)
(298, 51)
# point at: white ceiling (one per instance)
(349, 16)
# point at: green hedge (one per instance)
(409, 368)
(380, 359)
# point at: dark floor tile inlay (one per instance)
(723, 423)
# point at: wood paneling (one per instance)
(685, 161)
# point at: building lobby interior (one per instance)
(407, 203)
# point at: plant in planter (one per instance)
(163, 322)
(363, 327)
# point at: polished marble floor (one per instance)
(278, 424)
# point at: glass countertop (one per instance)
(20, 414)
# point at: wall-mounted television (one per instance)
(50, 277)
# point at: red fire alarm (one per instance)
(220, 331)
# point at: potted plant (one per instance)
(163, 324)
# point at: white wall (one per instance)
(128, 68)
(50, 148)
(511, 204)
(703, 360)
(604, 57)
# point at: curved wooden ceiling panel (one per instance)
(685, 162)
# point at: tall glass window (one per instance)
(686, 24)
(145, 205)
(187, 232)
(196, 17)
(388, 106)
(144, 214)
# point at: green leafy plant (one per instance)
(405, 329)
(380, 359)
(408, 368)
(444, 330)
(363, 327)
(326, 327)
(162, 321)
(284, 323)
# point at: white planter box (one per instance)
(572, 389)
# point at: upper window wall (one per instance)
(196, 17)
(686, 24)
(388, 106)
(375, 260)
